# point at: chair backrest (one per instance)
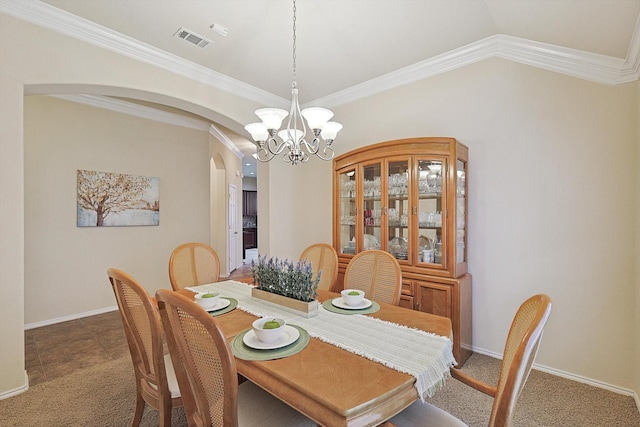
(207, 373)
(143, 329)
(323, 257)
(377, 273)
(193, 264)
(519, 352)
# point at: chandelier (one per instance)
(291, 142)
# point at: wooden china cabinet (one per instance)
(408, 197)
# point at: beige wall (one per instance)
(637, 263)
(552, 201)
(226, 169)
(12, 374)
(295, 202)
(553, 188)
(65, 265)
(44, 62)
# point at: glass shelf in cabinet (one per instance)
(398, 226)
(429, 195)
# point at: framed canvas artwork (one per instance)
(115, 200)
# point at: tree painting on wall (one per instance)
(110, 199)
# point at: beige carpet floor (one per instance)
(546, 401)
(104, 396)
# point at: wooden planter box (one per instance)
(301, 308)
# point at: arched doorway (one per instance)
(220, 240)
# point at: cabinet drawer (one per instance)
(407, 288)
(407, 302)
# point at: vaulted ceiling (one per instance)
(345, 43)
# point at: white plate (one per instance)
(289, 336)
(338, 302)
(222, 303)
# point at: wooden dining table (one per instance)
(328, 384)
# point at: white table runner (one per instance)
(426, 356)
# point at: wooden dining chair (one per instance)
(323, 257)
(193, 264)
(156, 382)
(207, 375)
(377, 273)
(519, 353)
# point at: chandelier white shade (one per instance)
(290, 142)
(271, 117)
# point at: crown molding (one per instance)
(585, 65)
(154, 114)
(457, 58)
(137, 110)
(220, 136)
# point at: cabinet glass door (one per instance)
(372, 207)
(430, 209)
(398, 209)
(348, 212)
(461, 212)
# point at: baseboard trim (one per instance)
(10, 393)
(570, 376)
(70, 317)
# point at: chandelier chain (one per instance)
(294, 43)
(291, 142)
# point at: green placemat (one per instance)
(234, 303)
(242, 351)
(330, 307)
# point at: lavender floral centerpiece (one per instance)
(288, 284)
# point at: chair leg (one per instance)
(165, 413)
(137, 415)
(165, 416)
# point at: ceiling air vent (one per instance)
(191, 37)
